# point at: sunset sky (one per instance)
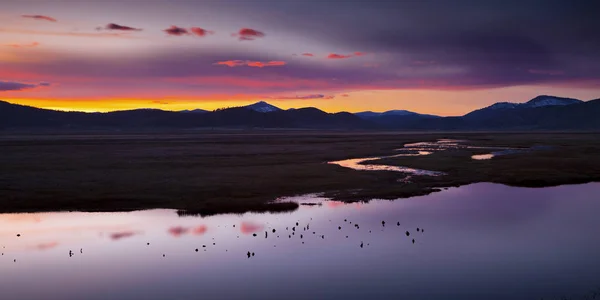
(438, 57)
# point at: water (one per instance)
(482, 241)
(509, 151)
(359, 164)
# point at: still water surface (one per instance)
(482, 241)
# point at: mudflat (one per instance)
(210, 172)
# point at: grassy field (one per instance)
(237, 171)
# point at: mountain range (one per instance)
(541, 113)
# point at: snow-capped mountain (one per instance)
(503, 105)
(545, 100)
(263, 107)
(539, 101)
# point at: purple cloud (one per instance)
(40, 17)
(176, 31)
(19, 86)
(113, 26)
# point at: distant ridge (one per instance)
(540, 113)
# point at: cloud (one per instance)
(113, 26)
(338, 56)
(200, 31)
(28, 45)
(308, 54)
(272, 63)
(160, 102)
(121, 235)
(40, 17)
(19, 86)
(72, 34)
(248, 227)
(256, 64)
(342, 56)
(302, 97)
(176, 31)
(248, 34)
(345, 95)
(546, 72)
(178, 231)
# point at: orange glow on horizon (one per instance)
(437, 102)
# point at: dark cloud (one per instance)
(113, 26)
(248, 34)
(40, 17)
(121, 235)
(177, 31)
(256, 64)
(19, 86)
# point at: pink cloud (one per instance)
(272, 63)
(200, 31)
(251, 83)
(29, 45)
(338, 56)
(308, 54)
(176, 31)
(302, 97)
(256, 64)
(342, 56)
(72, 34)
(40, 17)
(345, 95)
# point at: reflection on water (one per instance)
(427, 148)
(481, 241)
(358, 164)
(509, 151)
(414, 149)
(482, 156)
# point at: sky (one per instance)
(429, 56)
